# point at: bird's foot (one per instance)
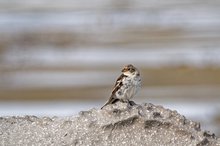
(132, 103)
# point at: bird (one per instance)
(126, 86)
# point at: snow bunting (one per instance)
(126, 85)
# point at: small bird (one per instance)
(126, 86)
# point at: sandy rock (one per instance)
(119, 124)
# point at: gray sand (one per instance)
(119, 124)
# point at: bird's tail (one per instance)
(110, 101)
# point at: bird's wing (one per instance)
(117, 86)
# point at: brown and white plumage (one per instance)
(126, 86)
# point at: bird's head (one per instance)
(130, 70)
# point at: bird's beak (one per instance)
(124, 69)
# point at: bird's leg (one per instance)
(131, 103)
(126, 101)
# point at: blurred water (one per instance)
(33, 79)
(18, 61)
(151, 33)
(48, 57)
(204, 16)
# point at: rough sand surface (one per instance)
(119, 124)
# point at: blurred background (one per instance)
(61, 57)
